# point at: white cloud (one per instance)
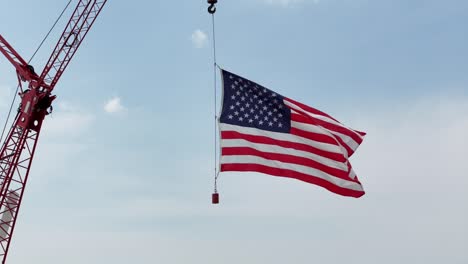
(287, 3)
(423, 146)
(199, 39)
(114, 105)
(66, 121)
(63, 141)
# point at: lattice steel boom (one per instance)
(17, 151)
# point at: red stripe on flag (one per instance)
(310, 109)
(333, 127)
(292, 174)
(313, 136)
(282, 143)
(348, 149)
(234, 151)
(360, 133)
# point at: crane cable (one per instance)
(212, 10)
(32, 57)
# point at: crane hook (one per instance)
(212, 7)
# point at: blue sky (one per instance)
(123, 171)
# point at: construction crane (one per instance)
(17, 151)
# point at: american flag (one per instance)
(263, 131)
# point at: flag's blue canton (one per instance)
(249, 104)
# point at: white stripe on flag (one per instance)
(321, 117)
(321, 130)
(246, 159)
(281, 136)
(281, 150)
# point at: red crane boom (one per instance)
(17, 151)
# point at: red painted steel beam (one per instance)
(77, 28)
(25, 71)
(17, 152)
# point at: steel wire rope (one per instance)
(32, 57)
(215, 65)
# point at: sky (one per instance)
(123, 172)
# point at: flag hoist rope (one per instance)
(32, 57)
(212, 10)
